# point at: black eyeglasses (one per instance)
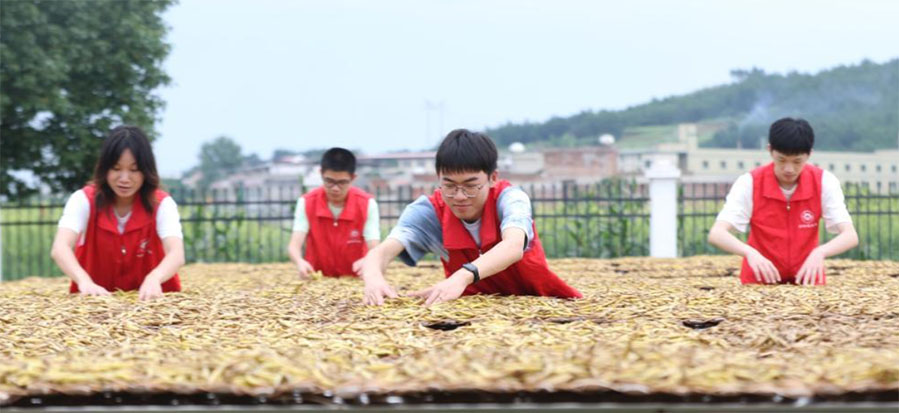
(330, 183)
(469, 190)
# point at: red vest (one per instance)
(332, 246)
(529, 276)
(121, 261)
(784, 232)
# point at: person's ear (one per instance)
(493, 177)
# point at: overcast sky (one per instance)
(361, 74)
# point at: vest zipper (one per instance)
(789, 263)
(119, 274)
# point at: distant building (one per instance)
(879, 170)
(392, 170)
(582, 165)
(400, 162)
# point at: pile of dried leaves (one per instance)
(645, 325)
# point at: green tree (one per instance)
(281, 152)
(252, 160)
(218, 159)
(852, 107)
(318, 152)
(70, 71)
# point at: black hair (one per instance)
(133, 139)
(465, 151)
(791, 136)
(338, 160)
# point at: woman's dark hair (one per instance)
(338, 160)
(118, 140)
(791, 136)
(465, 151)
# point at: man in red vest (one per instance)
(782, 203)
(337, 222)
(480, 227)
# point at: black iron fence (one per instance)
(874, 214)
(604, 220)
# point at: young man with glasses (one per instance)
(338, 222)
(480, 227)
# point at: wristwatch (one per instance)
(474, 270)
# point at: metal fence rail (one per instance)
(875, 216)
(603, 220)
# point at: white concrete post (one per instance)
(663, 176)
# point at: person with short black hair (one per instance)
(782, 203)
(479, 226)
(337, 222)
(120, 231)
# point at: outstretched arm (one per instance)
(501, 256)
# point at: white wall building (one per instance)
(878, 169)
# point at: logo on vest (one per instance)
(142, 248)
(808, 219)
(807, 216)
(355, 237)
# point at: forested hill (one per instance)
(852, 107)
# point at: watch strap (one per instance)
(474, 270)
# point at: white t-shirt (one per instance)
(77, 212)
(738, 207)
(371, 231)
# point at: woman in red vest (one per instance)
(121, 232)
(782, 203)
(337, 222)
(479, 226)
